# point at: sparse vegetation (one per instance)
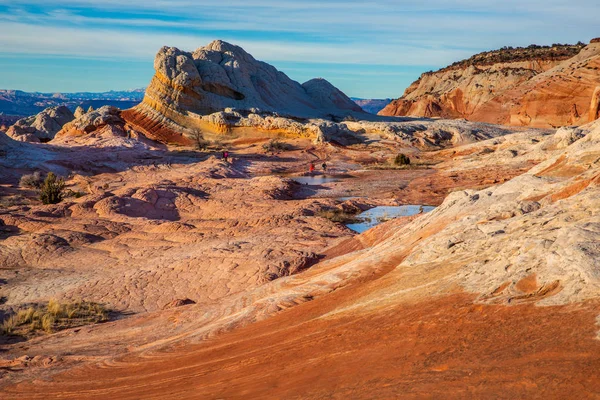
(52, 317)
(275, 145)
(217, 145)
(200, 143)
(401, 159)
(337, 215)
(52, 190)
(72, 193)
(514, 54)
(32, 181)
(11, 201)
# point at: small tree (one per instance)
(52, 191)
(402, 159)
(199, 141)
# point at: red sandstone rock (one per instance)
(541, 93)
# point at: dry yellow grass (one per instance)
(52, 317)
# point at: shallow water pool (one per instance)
(377, 215)
(315, 179)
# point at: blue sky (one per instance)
(366, 48)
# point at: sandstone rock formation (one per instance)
(187, 86)
(91, 121)
(100, 128)
(6, 121)
(594, 112)
(544, 88)
(79, 111)
(41, 127)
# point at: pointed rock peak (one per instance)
(328, 96)
(90, 109)
(79, 111)
(220, 45)
(321, 82)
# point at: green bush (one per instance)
(401, 159)
(52, 190)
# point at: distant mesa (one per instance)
(372, 106)
(537, 86)
(22, 104)
(221, 76)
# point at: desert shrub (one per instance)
(401, 159)
(337, 215)
(52, 190)
(8, 325)
(199, 142)
(275, 145)
(32, 181)
(218, 145)
(52, 317)
(48, 322)
(71, 193)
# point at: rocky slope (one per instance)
(543, 87)
(187, 86)
(41, 127)
(460, 298)
(6, 121)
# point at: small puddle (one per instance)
(315, 179)
(377, 215)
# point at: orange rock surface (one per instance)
(544, 93)
(226, 280)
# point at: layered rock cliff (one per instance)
(535, 86)
(187, 86)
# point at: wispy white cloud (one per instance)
(94, 42)
(386, 32)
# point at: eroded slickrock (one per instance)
(41, 127)
(277, 286)
(543, 90)
(102, 127)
